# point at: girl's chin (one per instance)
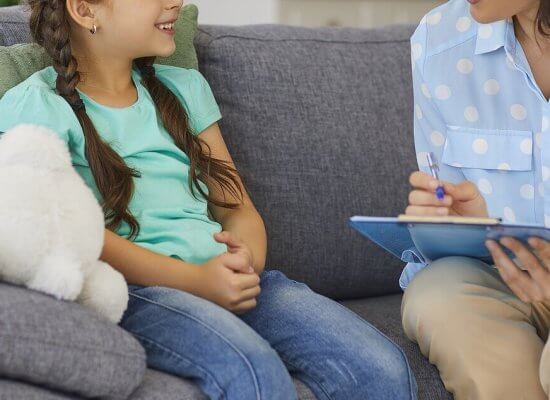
(166, 51)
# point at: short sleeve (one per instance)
(195, 93)
(35, 105)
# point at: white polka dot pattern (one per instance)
(477, 111)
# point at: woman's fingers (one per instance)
(421, 180)
(542, 250)
(520, 282)
(423, 211)
(423, 198)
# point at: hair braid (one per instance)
(50, 28)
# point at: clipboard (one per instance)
(424, 239)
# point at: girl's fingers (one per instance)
(249, 281)
(236, 262)
(228, 238)
(423, 198)
(423, 211)
(519, 281)
(245, 306)
(249, 294)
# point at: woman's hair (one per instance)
(50, 28)
(543, 17)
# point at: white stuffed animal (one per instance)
(51, 225)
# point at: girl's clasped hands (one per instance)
(531, 284)
(229, 279)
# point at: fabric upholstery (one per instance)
(319, 122)
(62, 345)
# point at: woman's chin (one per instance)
(481, 17)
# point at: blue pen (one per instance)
(434, 167)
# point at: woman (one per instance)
(481, 106)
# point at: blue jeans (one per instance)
(292, 331)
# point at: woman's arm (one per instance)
(244, 222)
(144, 267)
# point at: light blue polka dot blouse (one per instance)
(479, 109)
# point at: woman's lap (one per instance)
(335, 352)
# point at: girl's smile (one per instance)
(167, 27)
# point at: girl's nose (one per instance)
(174, 4)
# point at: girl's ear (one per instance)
(81, 13)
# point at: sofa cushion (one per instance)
(319, 122)
(157, 385)
(20, 60)
(15, 390)
(385, 314)
(64, 346)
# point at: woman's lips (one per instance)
(473, 2)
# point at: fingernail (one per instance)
(434, 184)
(442, 211)
(533, 242)
(250, 269)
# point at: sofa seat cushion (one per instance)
(15, 390)
(64, 346)
(158, 385)
(385, 314)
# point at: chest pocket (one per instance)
(488, 149)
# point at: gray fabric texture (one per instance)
(14, 26)
(319, 123)
(15, 390)
(65, 346)
(385, 314)
(160, 386)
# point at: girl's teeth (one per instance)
(166, 26)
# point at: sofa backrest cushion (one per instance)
(319, 122)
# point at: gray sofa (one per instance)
(319, 122)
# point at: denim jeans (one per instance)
(291, 332)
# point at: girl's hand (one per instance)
(227, 281)
(532, 285)
(236, 246)
(463, 199)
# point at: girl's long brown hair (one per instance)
(50, 28)
(543, 17)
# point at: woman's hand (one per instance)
(532, 285)
(227, 280)
(463, 199)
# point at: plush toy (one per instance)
(51, 225)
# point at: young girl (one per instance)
(144, 137)
(481, 88)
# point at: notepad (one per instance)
(424, 239)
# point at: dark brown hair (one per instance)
(543, 17)
(50, 28)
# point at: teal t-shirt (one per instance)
(172, 222)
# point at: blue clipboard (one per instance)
(422, 242)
